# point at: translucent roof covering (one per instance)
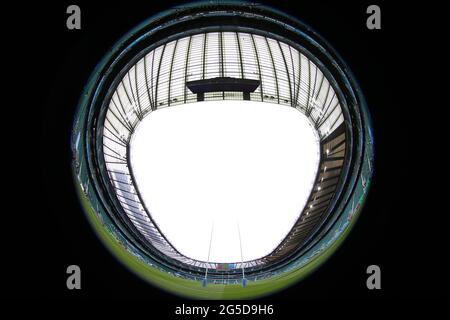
(158, 80)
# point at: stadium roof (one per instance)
(221, 66)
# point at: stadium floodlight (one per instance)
(222, 147)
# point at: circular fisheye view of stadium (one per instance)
(222, 150)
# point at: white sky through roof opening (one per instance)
(225, 167)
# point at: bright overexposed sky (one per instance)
(226, 165)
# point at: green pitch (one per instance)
(194, 289)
